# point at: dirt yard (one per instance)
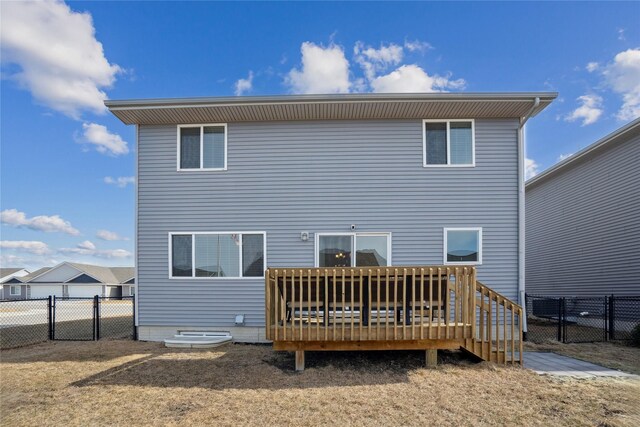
(134, 383)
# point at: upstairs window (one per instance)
(210, 255)
(448, 143)
(463, 246)
(202, 147)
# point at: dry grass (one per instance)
(612, 355)
(135, 383)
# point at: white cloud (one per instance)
(531, 168)
(589, 112)
(52, 223)
(623, 76)
(417, 45)
(32, 247)
(621, 35)
(87, 245)
(105, 253)
(374, 60)
(592, 66)
(120, 181)
(324, 70)
(104, 141)
(109, 235)
(244, 85)
(59, 59)
(412, 78)
(561, 157)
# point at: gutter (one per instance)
(521, 212)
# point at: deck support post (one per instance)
(299, 360)
(431, 358)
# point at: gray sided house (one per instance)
(583, 221)
(11, 284)
(227, 187)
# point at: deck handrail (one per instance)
(369, 303)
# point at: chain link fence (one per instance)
(31, 321)
(24, 322)
(577, 319)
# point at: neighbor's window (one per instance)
(449, 143)
(462, 245)
(336, 250)
(15, 290)
(217, 255)
(202, 147)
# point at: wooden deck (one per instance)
(387, 308)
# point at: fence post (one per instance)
(612, 318)
(53, 319)
(135, 330)
(96, 319)
(559, 331)
(564, 320)
(50, 317)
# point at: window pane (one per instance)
(213, 147)
(206, 254)
(460, 144)
(229, 257)
(463, 245)
(253, 255)
(190, 148)
(334, 251)
(181, 256)
(436, 135)
(371, 251)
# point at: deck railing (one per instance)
(378, 303)
(379, 306)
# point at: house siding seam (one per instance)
(318, 176)
(583, 227)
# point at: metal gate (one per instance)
(74, 319)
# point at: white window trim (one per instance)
(444, 253)
(11, 290)
(448, 122)
(201, 168)
(131, 292)
(193, 254)
(354, 235)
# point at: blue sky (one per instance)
(67, 165)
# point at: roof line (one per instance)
(585, 151)
(343, 98)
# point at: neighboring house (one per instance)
(229, 186)
(583, 221)
(10, 284)
(69, 279)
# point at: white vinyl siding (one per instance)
(202, 147)
(448, 143)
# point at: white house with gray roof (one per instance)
(227, 187)
(69, 279)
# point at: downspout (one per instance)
(521, 221)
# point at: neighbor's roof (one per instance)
(38, 272)
(9, 271)
(329, 107)
(108, 275)
(626, 132)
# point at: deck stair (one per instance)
(390, 308)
